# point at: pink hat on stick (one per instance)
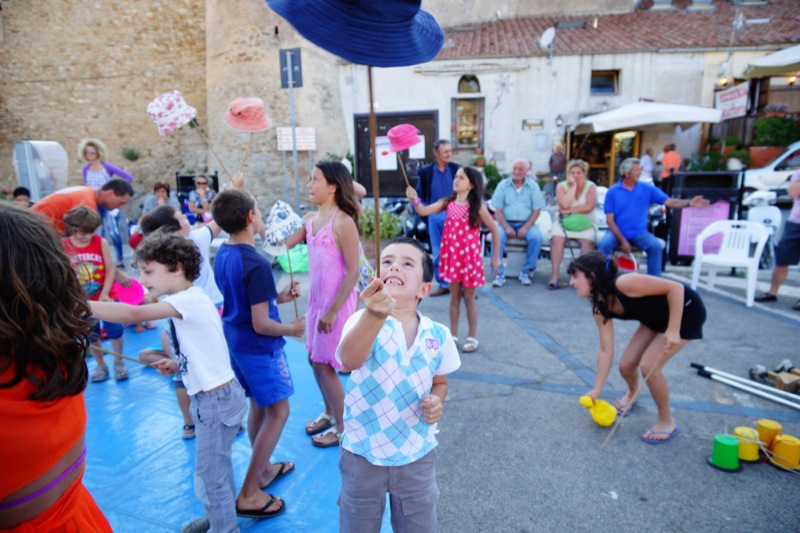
(403, 137)
(170, 112)
(247, 114)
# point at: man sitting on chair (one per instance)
(626, 206)
(517, 202)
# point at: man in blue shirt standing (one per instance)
(517, 202)
(436, 182)
(626, 207)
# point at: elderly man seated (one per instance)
(626, 206)
(517, 202)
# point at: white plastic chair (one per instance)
(742, 244)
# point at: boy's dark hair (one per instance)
(81, 219)
(169, 249)
(119, 186)
(230, 209)
(162, 217)
(20, 191)
(427, 261)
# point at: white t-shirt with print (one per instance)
(203, 359)
(383, 419)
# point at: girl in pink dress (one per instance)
(460, 262)
(332, 235)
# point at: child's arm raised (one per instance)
(346, 236)
(124, 313)
(111, 270)
(356, 344)
(424, 210)
(490, 223)
(264, 325)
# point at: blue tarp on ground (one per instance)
(141, 472)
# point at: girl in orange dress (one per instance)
(44, 331)
(460, 262)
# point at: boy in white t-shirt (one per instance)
(168, 263)
(399, 361)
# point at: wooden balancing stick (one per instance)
(109, 352)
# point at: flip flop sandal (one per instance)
(100, 374)
(316, 439)
(262, 513)
(282, 472)
(188, 432)
(624, 409)
(320, 423)
(120, 371)
(470, 345)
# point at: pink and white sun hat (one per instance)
(170, 112)
(247, 114)
(403, 137)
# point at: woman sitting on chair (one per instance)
(577, 198)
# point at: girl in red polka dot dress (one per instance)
(460, 262)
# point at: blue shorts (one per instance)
(264, 377)
(113, 330)
(788, 251)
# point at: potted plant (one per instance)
(737, 158)
(772, 135)
(390, 228)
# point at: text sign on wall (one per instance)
(733, 102)
(306, 139)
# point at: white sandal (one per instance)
(320, 423)
(470, 345)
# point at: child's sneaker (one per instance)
(499, 281)
(525, 278)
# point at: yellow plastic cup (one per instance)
(748, 443)
(786, 452)
(767, 431)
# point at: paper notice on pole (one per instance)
(694, 221)
(418, 150)
(386, 159)
(306, 139)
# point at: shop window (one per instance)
(604, 82)
(469, 84)
(468, 122)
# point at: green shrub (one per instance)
(706, 162)
(732, 140)
(493, 176)
(775, 131)
(131, 154)
(390, 224)
(741, 155)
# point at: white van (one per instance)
(777, 173)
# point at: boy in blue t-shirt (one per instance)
(254, 333)
(399, 361)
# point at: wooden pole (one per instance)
(403, 168)
(124, 356)
(246, 150)
(197, 128)
(291, 279)
(373, 127)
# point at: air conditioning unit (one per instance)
(41, 167)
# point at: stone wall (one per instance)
(88, 68)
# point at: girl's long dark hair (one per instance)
(475, 197)
(602, 273)
(337, 174)
(44, 317)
